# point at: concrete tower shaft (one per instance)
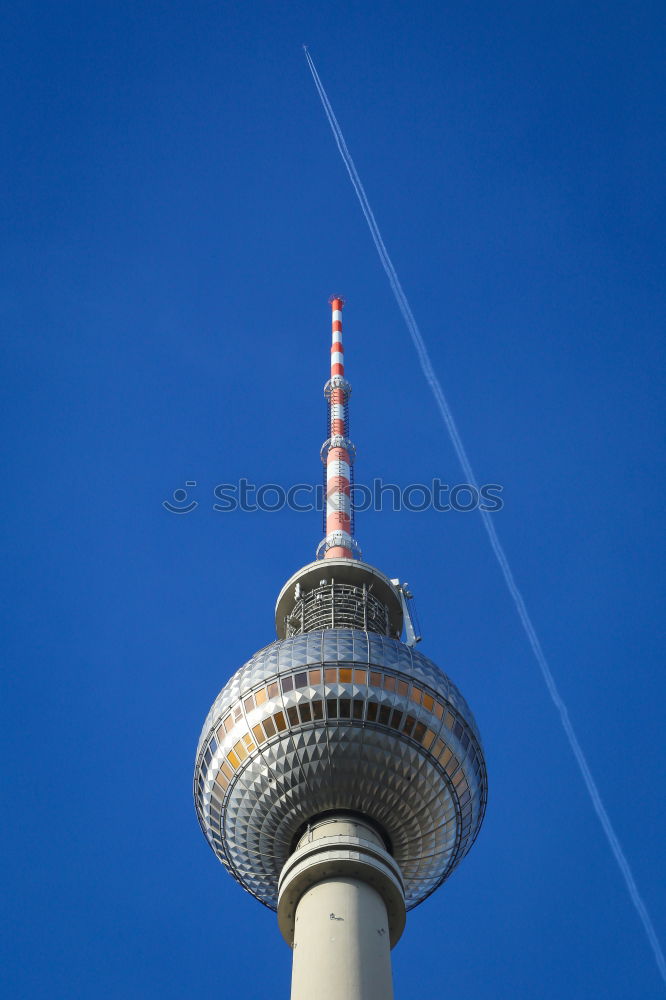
(341, 908)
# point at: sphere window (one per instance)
(280, 721)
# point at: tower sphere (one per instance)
(344, 718)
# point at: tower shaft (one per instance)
(342, 909)
(341, 946)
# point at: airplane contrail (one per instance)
(530, 632)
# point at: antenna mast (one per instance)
(338, 453)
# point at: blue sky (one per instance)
(175, 218)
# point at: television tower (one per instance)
(340, 776)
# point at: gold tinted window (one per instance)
(280, 721)
(428, 738)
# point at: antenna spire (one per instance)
(338, 453)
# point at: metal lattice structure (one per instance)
(338, 605)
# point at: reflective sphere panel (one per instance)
(340, 719)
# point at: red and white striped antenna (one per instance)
(338, 453)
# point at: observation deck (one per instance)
(339, 718)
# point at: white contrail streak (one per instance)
(447, 417)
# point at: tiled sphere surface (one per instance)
(340, 719)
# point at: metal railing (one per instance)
(337, 605)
